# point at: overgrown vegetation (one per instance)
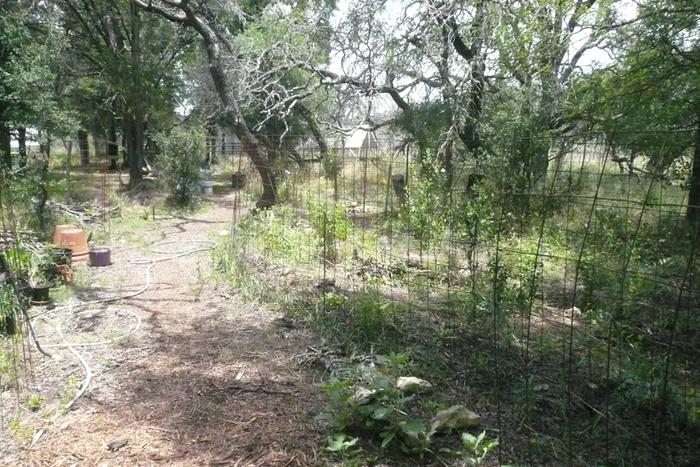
(557, 310)
(183, 151)
(523, 223)
(374, 401)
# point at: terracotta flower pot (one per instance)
(59, 229)
(100, 256)
(73, 239)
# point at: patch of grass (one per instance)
(362, 320)
(236, 270)
(69, 391)
(331, 225)
(34, 402)
(274, 239)
(8, 366)
(21, 431)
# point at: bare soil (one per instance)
(205, 379)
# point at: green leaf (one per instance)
(366, 410)
(469, 440)
(380, 413)
(490, 444)
(387, 437)
(340, 442)
(335, 443)
(413, 426)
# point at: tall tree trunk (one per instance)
(211, 145)
(692, 213)
(68, 144)
(308, 116)
(135, 121)
(22, 144)
(214, 37)
(125, 154)
(448, 165)
(5, 144)
(133, 142)
(218, 143)
(222, 144)
(84, 148)
(250, 144)
(42, 199)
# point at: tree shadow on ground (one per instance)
(226, 390)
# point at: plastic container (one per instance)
(40, 295)
(100, 256)
(207, 187)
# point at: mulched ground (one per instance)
(205, 379)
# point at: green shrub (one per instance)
(331, 224)
(183, 150)
(423, 214)
(364, 320)
(34, 402)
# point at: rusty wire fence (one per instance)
(561, 305)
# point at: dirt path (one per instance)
(206, 380)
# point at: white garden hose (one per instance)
(204, 245)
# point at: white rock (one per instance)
(411, 384)
(361, 396)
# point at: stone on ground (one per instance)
(411, 385)
(456, 417)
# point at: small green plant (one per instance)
(17, 261)
(346, 447)
(42, 267)
(21, 431)
(331, 224)
(9, 309)
(363, 321)
(9, 370)
(34, 402)
(69, 390)
(474, 449)
(365, 399)
(183, 151)
(423, 214)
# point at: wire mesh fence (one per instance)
(561, 304)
